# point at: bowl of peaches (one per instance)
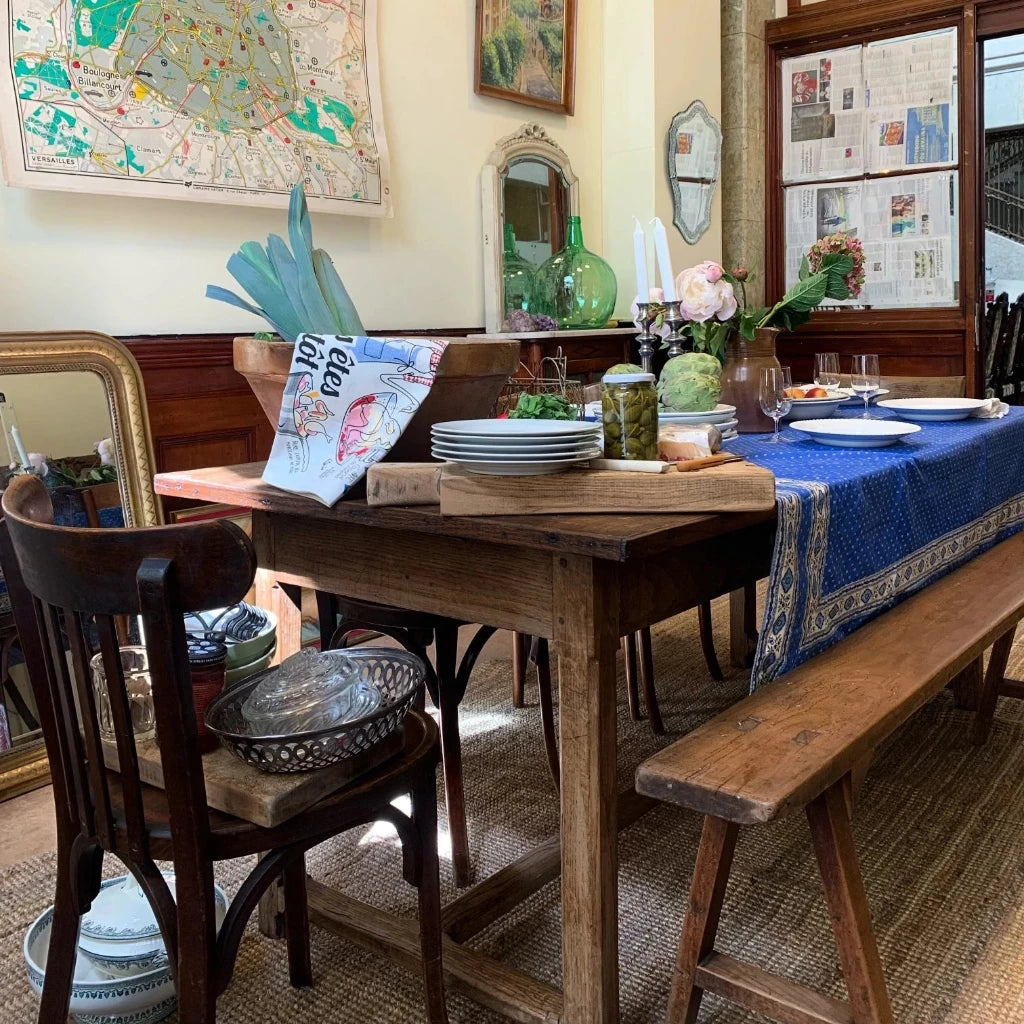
(811, 402)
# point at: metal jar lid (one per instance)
(206, 648)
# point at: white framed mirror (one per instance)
(528, 191)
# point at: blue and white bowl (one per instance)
(96, 998)
(119, 934)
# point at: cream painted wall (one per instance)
(58, 414)
(139, 266)
(670, 56)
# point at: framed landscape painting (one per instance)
(526, 52)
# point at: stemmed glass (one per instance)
(865, 380)
(826, 369)
(773, 395)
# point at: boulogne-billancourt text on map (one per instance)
(225, 100)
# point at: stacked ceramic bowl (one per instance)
(121, 975)
(516, 447)
(249, 632)
(722, 416)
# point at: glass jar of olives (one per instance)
(629, 408)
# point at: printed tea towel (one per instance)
(345, 405)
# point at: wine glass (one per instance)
(865, 380)
(826, 369)
(774, 395)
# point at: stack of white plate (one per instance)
(516, 447)
(722, 416)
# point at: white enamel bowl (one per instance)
(855, 433)
(932, 410)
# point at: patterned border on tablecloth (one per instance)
(861, 599)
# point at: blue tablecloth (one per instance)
(862, 529)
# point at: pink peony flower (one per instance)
(703, 293)
(105, 450)
(37, 460)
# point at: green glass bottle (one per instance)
(575, 286)
(518, 275)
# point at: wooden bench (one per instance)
(800, 743)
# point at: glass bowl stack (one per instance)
(315, 709)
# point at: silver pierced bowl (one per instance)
(397, 675)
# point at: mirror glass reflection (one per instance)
(62, 422)
(535, 207)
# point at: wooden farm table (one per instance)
(582, 581)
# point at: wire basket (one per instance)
(398, 676)
(555, 384)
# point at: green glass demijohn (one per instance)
(518, 275)
(575, 286)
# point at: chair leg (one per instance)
(424, 814)
(646, 664)
(78, 882)
(990, 687)
(196, 981)
(445, 651)
(707, 893)
(632, 683)
(519, 645)
(547, 712)
(296, 924)
(707, 641)
(848, 907)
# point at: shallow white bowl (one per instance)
(932, 410)
(813, 408)
(854, 433)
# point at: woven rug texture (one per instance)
(939, 829)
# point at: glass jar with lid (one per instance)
(629, 410)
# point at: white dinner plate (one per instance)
(514, 467)
(526, 448)
(853, 433)
(717, 415)
(468, 457)
(512, 428)
(932, 409)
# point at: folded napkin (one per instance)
(346, 403)
(993, 409)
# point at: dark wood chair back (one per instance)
(67, 576)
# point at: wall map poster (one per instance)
(214, 100)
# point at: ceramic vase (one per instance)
(741, 377)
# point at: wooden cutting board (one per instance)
(732, 487)
(266, 799)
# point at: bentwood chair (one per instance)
(60, 578)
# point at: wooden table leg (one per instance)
(285, 601)
(586, 628)
(742, 616)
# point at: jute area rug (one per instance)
(940, 831)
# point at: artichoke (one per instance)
(624, 368)
(691, 382)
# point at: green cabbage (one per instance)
(691, 383)
(624, 368)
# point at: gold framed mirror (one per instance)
(61, 393)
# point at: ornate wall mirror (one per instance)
(64, 392)
(529, 191)
(694, 164)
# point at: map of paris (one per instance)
(216, 100)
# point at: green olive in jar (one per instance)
(629, 405)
